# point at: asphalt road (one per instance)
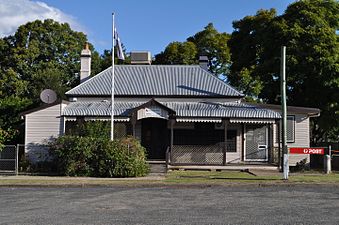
(171, 205)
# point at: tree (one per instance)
(254, 65)
(178, 53)
(41, 54)
(213, 44)
(39, 44)
(208, 42)
(106, 59)
(12, 102)
(308, 29)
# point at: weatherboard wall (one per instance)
(301, 138)
(40, 127)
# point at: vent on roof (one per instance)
(143, 58)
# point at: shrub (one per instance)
(96, 129)
(95, 156)
(130, 159)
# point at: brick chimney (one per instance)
(85, 61)
(203, 62)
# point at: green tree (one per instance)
(308, 29)
(213, 44)
(208, 42)
(41, 54)
(178, 53)
(12, 102)
(40, 44)
(106, 59)
(255, 62)
(50, 77)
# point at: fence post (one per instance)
(17, 160)
(167, 158)
(327, 161)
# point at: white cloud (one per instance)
(14, 13)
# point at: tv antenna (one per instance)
(48, 96)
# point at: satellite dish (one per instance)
(48, 96)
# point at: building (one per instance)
(179, 111)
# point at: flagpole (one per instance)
(112, 93)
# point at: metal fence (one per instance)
(197, 155)
(9, 160)
(210, 155)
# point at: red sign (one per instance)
(318, 151)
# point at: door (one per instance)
(155, 137)
(256, 143)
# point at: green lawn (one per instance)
(207, 177)
(179, 178)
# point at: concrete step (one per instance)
(157, 167)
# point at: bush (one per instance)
(100, 157)
(129, 159)
(96, 129)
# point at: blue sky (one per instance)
(142, 24)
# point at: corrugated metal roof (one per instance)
(102, 108)
(155, 80)
(228, 110)
(182, 109)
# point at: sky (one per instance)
(142, 24)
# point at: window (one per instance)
(290, 129)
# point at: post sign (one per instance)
(317, 151)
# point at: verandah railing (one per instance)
(209, 155)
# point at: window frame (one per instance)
(279, 131)
(293, 121)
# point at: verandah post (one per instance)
(225, 143)
(172, 138)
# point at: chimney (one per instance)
(203, 62)
(85, 61)
(141, 58)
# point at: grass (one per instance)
(70, 181)
(206, 177)
(244, 177)
(178, 178)
(332, 178)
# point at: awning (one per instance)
(202, 120)
(116, 119)
(184, 111)
(271, 121)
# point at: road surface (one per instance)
(300, 204)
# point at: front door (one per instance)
(256, 143)
(155, 137)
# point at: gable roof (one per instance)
(43, 106)
(154, 102)
(156, 80)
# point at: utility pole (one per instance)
(112, 84)
(284, 111)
